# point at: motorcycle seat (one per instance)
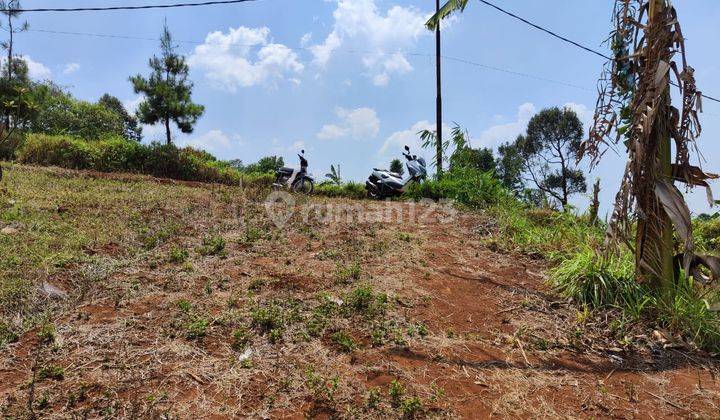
(285, 170)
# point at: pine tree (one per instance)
(167, 91)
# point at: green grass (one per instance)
(600, 282)
(73, 228)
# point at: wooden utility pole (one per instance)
(438, 116)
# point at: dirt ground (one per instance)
(273, 326)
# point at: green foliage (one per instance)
(53, 372)
(467, 186)
(212, 245)
(397, 167)
(241, 338)
(334, 175)
(267, 164)
(592, 279)
(542, 232)
(396, 391)
(600, 282)
(344, 341)
(131, 127)
(178, 255)
(118, 155)
(549, 150)
(509, 167)
(61, 114)
(7, 335)
(351, 189)
(167, 91)
(707, 233)
(197, 328)
(364, 300)
(348, 274)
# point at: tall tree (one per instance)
(132, 130)
(12, 11)
(509, 167)
(167, 91)
(549, 150)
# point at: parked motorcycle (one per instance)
(296, 180)
(382, 183)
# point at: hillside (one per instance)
(129, 296)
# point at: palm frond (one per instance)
(446, 10)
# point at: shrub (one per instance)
(114, 154)
(467, 186)
(351, 189)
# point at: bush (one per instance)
(351, 189)
(115, 154)
(468, 186)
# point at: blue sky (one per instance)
(352, 81)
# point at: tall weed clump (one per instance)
(600, 282)
(543, 233)
(468, 186)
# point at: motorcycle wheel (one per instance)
(303, 186)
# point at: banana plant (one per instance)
(334, 175)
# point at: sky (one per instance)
(352, 81)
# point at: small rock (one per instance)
(9, 230)
(246, 355)
(337, 301)
(52, 291)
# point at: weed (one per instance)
(197, 328)
(241, 338)
(53, 372)
(364, 300)
(347, 274)
(213, 245)
(256, 285)
(396, 392)
(7, 335)
(374, 397)
(184, 306)
(178, 255)
(344, 341)
(270, 319)
(410, 407)
(46, 334)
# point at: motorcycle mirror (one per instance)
(302, 151)
(407, 148)
(414, 156)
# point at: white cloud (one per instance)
(508, 132)
(36, 70)
(71, 68)
(305, 40)
(355, 123)
(228, 62)
(394, 144)
(359, 23)
(331, 131)
(212, 141)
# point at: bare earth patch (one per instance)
(199, 306)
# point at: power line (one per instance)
(588, 49)
(113, 8)
(562, 38)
